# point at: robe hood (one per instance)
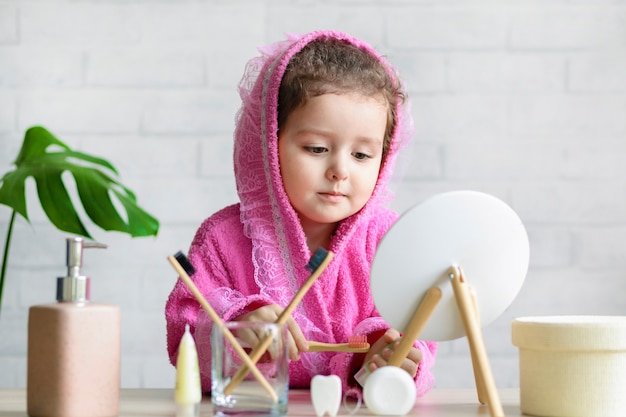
(279, 249)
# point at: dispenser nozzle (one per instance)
(74, 287)
(75, 246)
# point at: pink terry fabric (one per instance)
(254, 253)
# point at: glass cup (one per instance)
(249, 396)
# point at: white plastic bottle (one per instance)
(73, 349)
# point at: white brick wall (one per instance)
(522, 99)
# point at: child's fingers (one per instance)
(268, 313)
(294, 334)
(247, 337)
(415, 355)
(387, 352)
(412, 361)
(391, 335)
(376, 362)
(297, 342)
(294, 352)
(409, 364)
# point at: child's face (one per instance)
(330, 152)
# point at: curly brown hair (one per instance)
(333, 66)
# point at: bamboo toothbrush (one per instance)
(416, 325)
(180, 259)
(356, 344)
(317, 264)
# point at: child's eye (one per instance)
(316, 149)
(361, 155)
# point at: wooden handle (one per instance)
(480, 385)
(218, 322)
(474, 336)
(336, 347)
(284, 316)
(261, 348)
(416, 325)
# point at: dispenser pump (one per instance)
(74, 287)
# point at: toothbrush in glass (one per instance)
(318, 263)
(177, 261)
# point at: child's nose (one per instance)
(338, 170)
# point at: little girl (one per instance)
(323, 118)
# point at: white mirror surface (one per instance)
(476, 231)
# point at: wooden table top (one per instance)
(137, 402)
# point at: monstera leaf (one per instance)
(94, 186)
(45, 158)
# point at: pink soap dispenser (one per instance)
(73, 349)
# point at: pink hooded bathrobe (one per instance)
(254, 253)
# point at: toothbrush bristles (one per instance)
(358, 341)
(317, 259)
(184, 263)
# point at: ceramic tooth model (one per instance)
(326, 394)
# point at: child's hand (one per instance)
(382, 349)
(269, 313)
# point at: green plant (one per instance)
(46, 158)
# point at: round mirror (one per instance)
(475, 231)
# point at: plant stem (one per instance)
(5, 257)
